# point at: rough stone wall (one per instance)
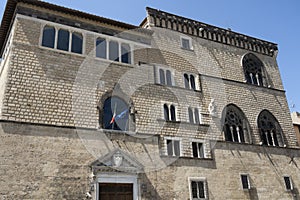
(50, 87)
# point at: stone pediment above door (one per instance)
(117, 160)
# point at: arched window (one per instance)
(253, 69)
(101, 48)
(270, 130)
(197, 118)
(115, 114)
(194, 117)
(63, 40)
(113, 51)
(192, 79)
(76, 43)
(48, 37)
(162, 76)
(191, 115)
(125, 53)
(169, 77)
(173, 113)
(166, 112)
(236, 126)
(169, 112)
(186, 81)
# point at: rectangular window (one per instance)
(173, 147)
(288, 183)
(186, 43)
(198, 189)
(245, 181)
(198, 150)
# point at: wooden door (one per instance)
(115, 191)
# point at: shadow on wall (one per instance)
(148, 190)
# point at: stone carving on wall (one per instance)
(212, 108)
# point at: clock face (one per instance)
(115, 114)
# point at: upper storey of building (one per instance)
(66, 16)
(191, 27)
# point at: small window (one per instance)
(166, 112)
(77, 43)
(63, 40)
(169, 112)
(198, 151)
(197, 116)
(186, 43)
(48, 37)
(173, 113)
(164, 76)
(101, 48)
(191, 115)
(186, 81)
(288, 183)
(173, 147)
(169, 77)
(194, 117)
(245, 181)
(198, 189)
(190, 81)
(126, 55)
(113, 51)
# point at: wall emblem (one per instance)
(117, 159)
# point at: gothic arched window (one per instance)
(115, 114)
(236, 126)
(253, 69)
(270, 130)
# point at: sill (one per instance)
(169, 121)
(62, 51)
(177, 87)
(192, 49)
(117, 131)
(186, 158)
(114, 62)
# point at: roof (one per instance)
(209, 32)
(10, 9)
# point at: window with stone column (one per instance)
(235, 125)
(253, 70)
(270, 130)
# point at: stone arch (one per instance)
(253, 69)
(269, 129)
(130, 112)
(235, 125)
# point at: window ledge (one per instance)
(62, 51)
(186, 158)
(169, 121)
(191, 50)
(177, 87)
(114, 62)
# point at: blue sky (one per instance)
(275, 21)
